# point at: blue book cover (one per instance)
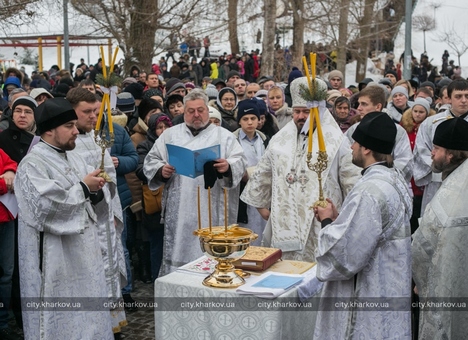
(190, 162)
(278, 282)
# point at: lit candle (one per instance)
(114, 57)
(306, 70)
(103, 61)
(311, 130)
(199, 211)
(99, 119)
(321, 141)
(109, 113)
(209, 207)
(225, 211)
(313, 63)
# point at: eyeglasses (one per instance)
(25, 111)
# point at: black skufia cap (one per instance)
(376, 132)
(452, 134)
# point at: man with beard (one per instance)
(180, 192)
(423, 175)
(439, 245)
(59, 254)
(283, 188)
(364, 253)
(108, 210)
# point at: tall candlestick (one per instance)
(321, 141)
(199, 211)
(103, 62)
(109, 113)
(225, 211)
(313, 63)
(209, 207)
(99, 119)
(311, 130)
(306, 70)
(111, 66)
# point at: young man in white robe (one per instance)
(371, 99)
(283, 188)
(180, 192)
(423, 174)
(364, 253)
(108, 210)
(439, 244)
(59, 254)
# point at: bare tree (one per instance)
(455, 41)
(232, 26)
(363, 41)
(134, 24)
(423, 23)
(268, 44)
(12, 10)
(343, 38)
(297, 7)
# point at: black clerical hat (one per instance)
(53, 113)
(452, 134)
(377, 132)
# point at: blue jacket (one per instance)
(124, 150)
(10, 80)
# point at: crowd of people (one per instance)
(395, 182)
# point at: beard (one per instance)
(358, 160)
(439, 166)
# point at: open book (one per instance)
(190, 162)
(270, 285)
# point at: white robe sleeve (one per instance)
(235, 157)
(422, 154)
(402, 154)
(258, 190)
(346, 245)
(154, 160)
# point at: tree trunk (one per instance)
(343, 38)
(268, 44)
(363, 42)
(232, 26)
(297, 7)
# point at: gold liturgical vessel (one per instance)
(224, 244)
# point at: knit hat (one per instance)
(218, 81)
(333, 94)
(189, 85)
(214, 113)
(424, 103)
(128, 81)
(399, 89)
(136, 89)
(335, 73)
(231, 74)
(125, 102)
(37, 92)
(264, 79)
(391, 72)
(385, 81)
(377, 132)
(172, 85)
(24, 100)
(247, 107)
(221, 94)
(211, 91)
(428, 83)
(261, 93)
(147, 105)
(53, 113)
(152, 92)
(295, 73)
(262, 107)
(452, 134)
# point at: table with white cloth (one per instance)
(186, 309)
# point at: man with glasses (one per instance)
(283, 188)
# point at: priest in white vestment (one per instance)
(108, 210)
(180, 192)
(283, 188)
(423, 174)
(60, 258)
(364, 253)
(439, 244)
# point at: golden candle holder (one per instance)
(225, 245)
(103, 143)
(319, 167)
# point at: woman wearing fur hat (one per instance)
(410, 121)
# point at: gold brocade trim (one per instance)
(118, 328)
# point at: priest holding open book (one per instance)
(180, 192)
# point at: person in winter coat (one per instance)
(157, 124)
(278, 107)
(226, 104)
(344, 115)
(410, 121)
(214, 69)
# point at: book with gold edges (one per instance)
(258, 258)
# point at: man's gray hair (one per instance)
(196, 94)
(12, 94)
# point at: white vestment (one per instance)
(365, 255)
(180, 192)
(402, 154)
(423, 175)
(110, 224)
(65, 264)
(440, 258)
(292, 226)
